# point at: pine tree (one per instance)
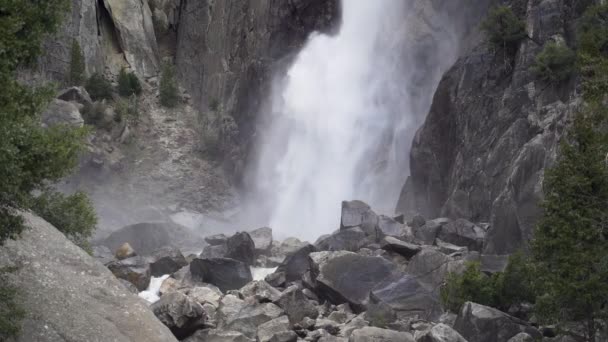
(168, 87)
(569, 247)
(77, 65)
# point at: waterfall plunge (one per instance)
(334, 125)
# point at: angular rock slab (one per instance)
(372, 334)
(213, 335)
(403, 248)
(351, 239)
(133, 22)
(181, 314)
(167, 260)
(61, 112)
(478, 323)
(250, 317)
(135, 270)
(241, 247)
(407, 297)
(346, 277)
(440, 333)
(296, 264)
(70, 296)
(262, 239)
(227, 274)
(463, 233)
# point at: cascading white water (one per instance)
(334, 122)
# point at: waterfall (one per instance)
(335, 123)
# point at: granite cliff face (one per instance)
(492, 130)
(227, 53)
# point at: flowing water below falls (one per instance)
(334, 124)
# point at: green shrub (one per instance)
(503, 29)
(30, 156)
(214, 104)
(128, 84)
(77, 65)
(98, 87)
(555, 63)
(94, 114)
(73, 215)
(500, 290)
(168, 87)
(593, 52)
(11, 313)
(127, 109)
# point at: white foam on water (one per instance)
(259, 273)
(152, 293)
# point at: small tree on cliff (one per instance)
(570, 248)
(503, 29)
(77, 66)
(168, 87)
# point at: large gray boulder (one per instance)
(346, 277)
(351, 239)
(276, 330)
(135, 270)
(213, 335)
(146, 238)
(389, 226)
(60, 112)
(167, 260)
(296, 264)
(241, 247)
(427, 232)
(431, 267)
(407, 298)
(439, 333)
(132, 20)
(372, 334)
(296, 305)
(478, 323)
(227, 274)
(75, 94)
(261, 291)
(262, 239)
(70, 296)
(463, 233)
(249, 318)
(180, 313)
(403, 248)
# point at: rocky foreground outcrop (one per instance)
(70, 296)
(381, 284)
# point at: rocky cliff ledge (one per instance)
(492, 130)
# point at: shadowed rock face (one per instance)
(226, 51)
(70, 296)
(492, 130)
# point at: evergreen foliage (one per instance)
(555, 63)
(499, 290)
(73, 215)
(99, 87)
(570, 248)
(77, 65)
(31, 157)
(168, 87)
(128, 84)
(503, 29)
(10, 311)
(593, 52)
